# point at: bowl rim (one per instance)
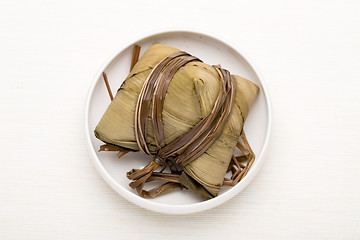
(188, 208)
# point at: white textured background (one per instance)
(309, 55)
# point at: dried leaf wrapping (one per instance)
(190, 97)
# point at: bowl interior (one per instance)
(211, 51)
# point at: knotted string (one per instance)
(187, 147)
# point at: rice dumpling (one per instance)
(187, 114)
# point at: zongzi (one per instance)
(187, 114)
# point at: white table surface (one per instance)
(309, 55)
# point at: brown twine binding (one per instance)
(216, 122)
(107, 86)
(147, 174)
(197, 140)
(145, 97)
(162, 189)
(170, 177)
(239, 170)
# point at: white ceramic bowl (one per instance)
(212, 51)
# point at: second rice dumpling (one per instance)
(156, 116)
